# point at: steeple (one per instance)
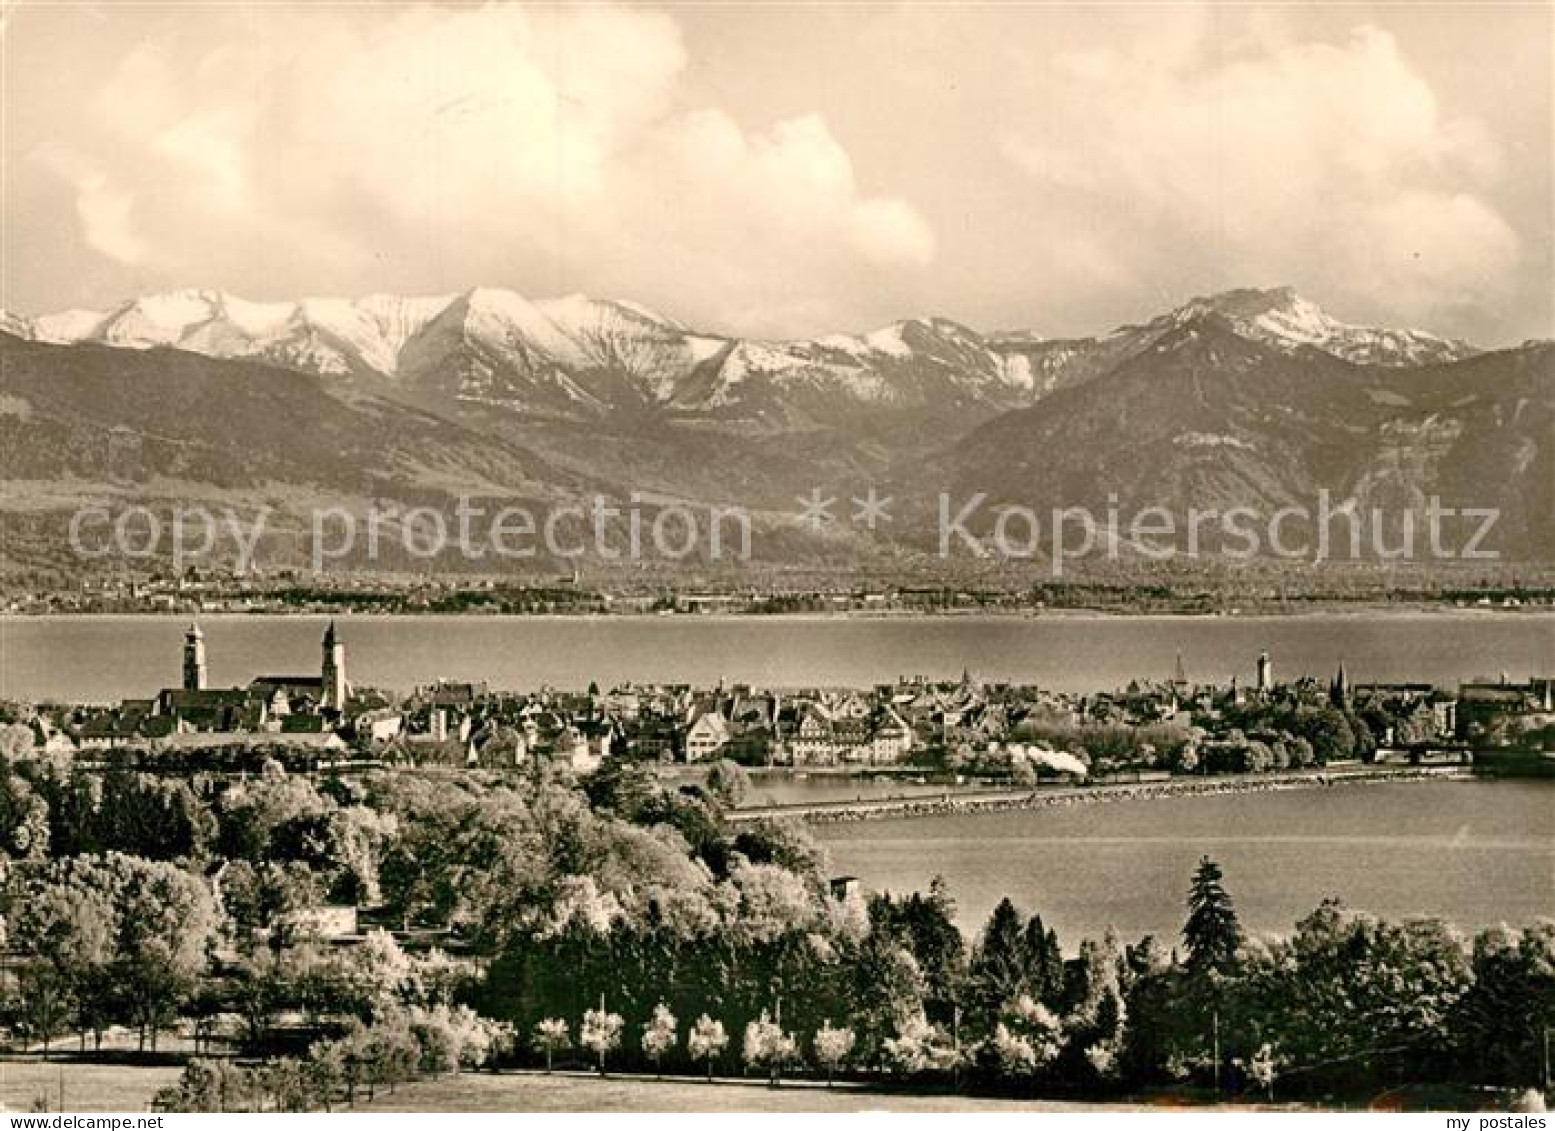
(194, 659)
(1265, 673)
(1339, 690)
(334, 671)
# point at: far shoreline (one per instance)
(1356, 610)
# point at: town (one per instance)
(964, 727)
(318, 892)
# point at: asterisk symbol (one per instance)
(872, 508)
(815, 509)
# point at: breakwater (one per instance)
(953, 803)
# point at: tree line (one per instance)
(624, 924)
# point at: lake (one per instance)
(1475, 853)
(108, 658)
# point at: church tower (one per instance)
(334, 694)
(194, 659)
(1265, 674)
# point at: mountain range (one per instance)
(1251, 395)
(579, 356)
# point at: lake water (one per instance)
(107, 658)
(1475, 853)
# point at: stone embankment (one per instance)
(952, 803)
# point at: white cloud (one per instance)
(104, 212)
(103, 208)
(1327, 165)
(508, 145)
(889, 231)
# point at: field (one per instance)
(87, 1087)
(534, 1092)
(123, 1088)
(120, 1087)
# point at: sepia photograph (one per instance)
(723, 556)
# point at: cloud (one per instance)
(504, 145)
(103, 209)
(1267, 159)
(104, 212)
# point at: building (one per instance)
(269, 705)
(708, 735)
(1506, 713)
(334, 672)
(194, 659)
(326, 692)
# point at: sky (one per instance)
(785, 170)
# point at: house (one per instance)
(49, 739)
(891, 739)
(210, 709)
(500, 747)
(380, 725)
(652, 738)
(706, 737)
(106, 729)
(813, 741)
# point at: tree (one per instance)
(356, 1060)
(283, 1080)
(392, 1054)
(1350, 998)
(551, 1037)
(926, 926)
(379, 977)
(151, 816)
(16, 741)
(1044, 961)
(920, 1047)
(622, 786)
(832, 1048)
(1328, 731)
(324, 1072)
(728, 783)
(199, 1089)
(1027, 1038)
(601, 1033)
(142, 926)
(998, 969)
(768, 1046)
(707, 1041)
(47, 1000)
(884, 987)
(784, 842)
(1212, 931)
(24, 819)
(167, 922)
(1502, 1021)
(659, 1035)
(73, 930)
(265, 899)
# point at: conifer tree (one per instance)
(1212, 932)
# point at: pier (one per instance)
(957, 802)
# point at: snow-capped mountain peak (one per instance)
(1282, 318)
(493, 346)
